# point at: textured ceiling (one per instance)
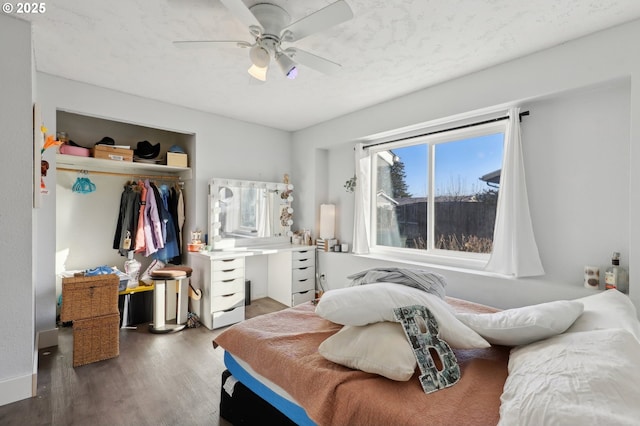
(390, 48)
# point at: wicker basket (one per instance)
(88, 297)
(96, 339)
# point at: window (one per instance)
(438, 194)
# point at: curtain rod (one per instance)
(129, 175)
(435, 132)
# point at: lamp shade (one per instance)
(258, 73)
(327, 221)
(287, 66)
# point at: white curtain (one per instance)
(515, 251)
(362, 207)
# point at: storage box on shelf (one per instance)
(177, 159)
(108, 152)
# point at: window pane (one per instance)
(401, 197)
(467, 175)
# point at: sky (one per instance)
(459, 165)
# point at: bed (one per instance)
(563, 362)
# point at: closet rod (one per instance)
(129, 175)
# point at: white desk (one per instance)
(221, 277)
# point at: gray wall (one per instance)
(16, 212)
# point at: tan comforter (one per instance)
(283, 347)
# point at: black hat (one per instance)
(146, 150)
(106, 141)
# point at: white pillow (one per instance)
(520, 326)
(381, 348)
(370, 303)
(588, 378)
(607, 309)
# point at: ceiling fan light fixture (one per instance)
(287, 66)
(259, 56)
(259, 73)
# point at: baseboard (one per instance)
(44, 339)
(16, 389)
(47, 338)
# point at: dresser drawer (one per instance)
(227, 275)
(303, 284)
(302, 263)
(307, 273)
(306, 296)
(303, 254)
(231, 316)
(232, 285)
(227, 301)
(227, 264)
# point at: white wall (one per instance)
(577, 123)
(223, 148)
(16, 212)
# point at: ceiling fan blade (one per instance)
(310, 60)
(199, 44)
(242, 13)
(331, 15)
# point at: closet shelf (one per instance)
(101, 165)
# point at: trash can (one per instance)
(247, 292)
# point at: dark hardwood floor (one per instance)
(158, 379)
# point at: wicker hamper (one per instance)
(96, 339)
(89, 297)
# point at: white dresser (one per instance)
(221, 279)
(292, 275)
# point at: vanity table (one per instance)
(249, 218)
(221, 277)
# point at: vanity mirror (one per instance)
(248, 210)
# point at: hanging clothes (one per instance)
(123, 239)
(158, 226)
(170, 249)
(152, 232)
(173, 211)
(180, 211)
(140, 245)
(150, 221)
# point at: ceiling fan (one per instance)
(270, 25)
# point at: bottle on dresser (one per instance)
(616, 276)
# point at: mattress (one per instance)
(263, 388)
(282, 349)
(559, 379)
